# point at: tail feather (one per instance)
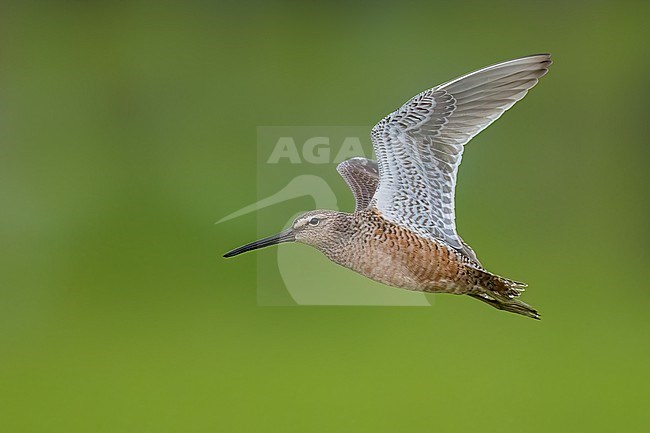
(501, 293)
(512, 305)
(508, 288)
(488, 282)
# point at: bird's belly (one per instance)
(415, 264)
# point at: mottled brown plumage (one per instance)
(367, 243)
(403, 230)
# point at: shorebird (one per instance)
(403, 231)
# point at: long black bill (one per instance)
(285, 236)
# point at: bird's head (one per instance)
(318, 228)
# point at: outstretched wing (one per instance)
(419, 147)
(362, 176)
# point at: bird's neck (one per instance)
(337, 244)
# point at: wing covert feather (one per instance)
(362, 176)
(419, 147)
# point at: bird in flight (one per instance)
(403, 230)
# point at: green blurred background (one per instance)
(128, 128)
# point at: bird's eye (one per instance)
(314, 221)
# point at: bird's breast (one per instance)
(393, 255)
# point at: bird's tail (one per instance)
(512, 305)
(502, 294)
